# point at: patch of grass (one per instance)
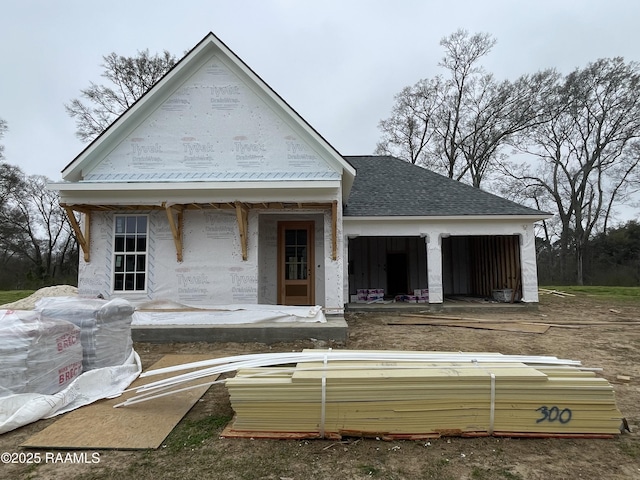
(480, 473)
(630, 448)
(436, 470)
(30, 472)
(612, 293)
(9, 296)
(369, 470)
(192, 433)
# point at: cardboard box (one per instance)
(364, 295)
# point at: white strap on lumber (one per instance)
(492, 404)
(323, 407)
(492, 411)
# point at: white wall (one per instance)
(212, 270)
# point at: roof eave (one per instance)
(446, 218)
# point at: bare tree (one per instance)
(10, 181)
(588, 155)
(466, 88)
(457, 124)
(129, 77)
(33, 227)
(408, 132)
(3, 130)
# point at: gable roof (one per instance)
(209, 46)
(389, 186)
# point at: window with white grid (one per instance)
(130, 253)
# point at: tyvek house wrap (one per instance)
(215, 127)
(212, 272)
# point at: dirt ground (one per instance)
(194, 449)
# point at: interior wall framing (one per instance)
(478, 264)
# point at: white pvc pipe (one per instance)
(218, 366)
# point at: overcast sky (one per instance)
(338, 63)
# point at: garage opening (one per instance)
(398, 265)
(480, 265)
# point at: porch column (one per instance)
(345, 270)
(529, 265)
(434, 267)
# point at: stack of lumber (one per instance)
(422, 398)
(412, 394)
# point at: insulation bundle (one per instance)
(38, 355)
(105, 327)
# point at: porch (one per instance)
(450, 306)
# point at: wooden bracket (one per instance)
(82, 237)
(176, 226)
(242, 215)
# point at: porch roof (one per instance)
(386, 186)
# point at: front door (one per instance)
(295, 263)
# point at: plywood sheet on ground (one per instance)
(140, 426)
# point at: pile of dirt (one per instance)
(30, 302)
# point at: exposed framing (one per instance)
(83, 237)
(176, 226)
(175, 216)
(242, 217)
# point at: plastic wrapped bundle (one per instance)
(105, 327)
(38, 355)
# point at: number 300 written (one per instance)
(553, 414)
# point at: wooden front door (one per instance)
(295, 263)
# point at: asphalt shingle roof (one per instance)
(388, 186)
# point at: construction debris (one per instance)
(521, 326)
(557, 293)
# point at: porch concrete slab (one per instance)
(334, 329)
(451, 308)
